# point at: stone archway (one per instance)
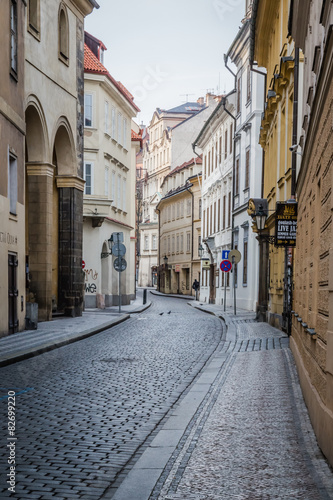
(67, 233)
(39, 178)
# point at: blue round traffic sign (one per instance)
(225, 266)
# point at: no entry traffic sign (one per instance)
(225, 266)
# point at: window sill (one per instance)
(34, 32)
(64, 59)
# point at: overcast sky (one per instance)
(163, 50)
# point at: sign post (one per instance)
(119, 264)
(235, 257)
(225, 267)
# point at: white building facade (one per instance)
(216, 142)
(247, 175)
(110, 175)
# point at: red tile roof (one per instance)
(197, 160)
(136, 137)
(93, 65)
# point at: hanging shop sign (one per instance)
(285, 224)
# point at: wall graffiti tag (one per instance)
(90, 274)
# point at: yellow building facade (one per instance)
(274, 50)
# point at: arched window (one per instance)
(63, 36)
(13, 36)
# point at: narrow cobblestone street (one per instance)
(167, 405)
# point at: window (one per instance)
(13, 36)
(106, 182)
(247, 169)
(63, 41)
(248, 84)
(146, 243)
(238, 108)
(220, 150)
(173, 244)
(245, 262)
(188, 207)
(225, 144)
(125, 133)
(214, 217)
(124, 195)
(211, 220)
(88, 99)
(106, 116)
(237, 177)
(120, 128)
(168, 245)
(113, 186)
(181, 243)
(113, 123)
(223, 215)
(229, 208)
(219, 214)
(205, 166)
(204, 223)
(200, 208)
(208, 163)
(188, 242)
(33, 17)
(12, 183)
(177, 243)
(88, 177)
(119, 192)
(231, 138)
(154, 242)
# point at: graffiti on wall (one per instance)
(89, 286)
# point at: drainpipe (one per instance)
(159, 249)
(191, 273)
(295, 119)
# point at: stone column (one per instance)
(71, 282)
(263, 279)
(40, 217)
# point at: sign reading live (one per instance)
(285, 224)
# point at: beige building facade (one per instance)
(12, 196)
(312, 323)
(180, 229)
(110, 175)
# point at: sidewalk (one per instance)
(61, 331)
(241, 431)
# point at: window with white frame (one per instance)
(113, 186)
(88, 177)
(119, 192)
(106, 182)
(125, 133)
(106, 116)
(154, 242)
(124, 195)
(181, 243)
(146, 247)
(113, 123)
(88, 110)
(12, 183)
(188, 207)
(120, 128)
(177, 243)
(188, 242)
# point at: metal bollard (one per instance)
(144, 295)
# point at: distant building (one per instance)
(109, 171)
(171, 133)
(180, 229)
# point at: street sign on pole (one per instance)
(225, 266)
(225, 254)
(236, 254)
(120, 264)
(118, 249)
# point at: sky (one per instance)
(167, 52)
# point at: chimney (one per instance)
(201, 101)
(209, 99)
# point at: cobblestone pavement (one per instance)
(83, 410)
(251, 437)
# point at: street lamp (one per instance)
(165, 258)
(201, 251)
(261, 217)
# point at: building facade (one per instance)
(274, 49)
(180, 229)
(247, 172)
(312, 322)
(110, 175)
(215, 140)
(171, 133)
(12, 168)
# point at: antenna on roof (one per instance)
(185, 95)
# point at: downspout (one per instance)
(234, 148)
(191, 274)
(159, 248)
(295, 119)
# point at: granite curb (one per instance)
(26, 352)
